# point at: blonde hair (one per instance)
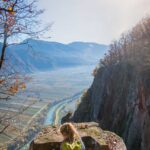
(70, 130)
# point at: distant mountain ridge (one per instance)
(43, 55)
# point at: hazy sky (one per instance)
(92, 20)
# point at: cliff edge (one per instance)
(92, 136)
(119, 98)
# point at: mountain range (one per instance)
(37, 55)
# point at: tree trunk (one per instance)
(3, 52)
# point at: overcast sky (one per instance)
(98, 21)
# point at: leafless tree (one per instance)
(19, 18)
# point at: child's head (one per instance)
(68, 131)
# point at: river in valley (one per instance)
(51, 118)
(63, 88)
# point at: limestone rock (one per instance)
(92, 135)
(119, 99)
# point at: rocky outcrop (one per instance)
(93, 137)
(146, 133)
(66, 118)
(119, 99)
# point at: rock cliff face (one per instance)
(119, 99)
(93, 137)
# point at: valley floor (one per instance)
(20, 121)
(45, 89)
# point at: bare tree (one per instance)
(11, 82)
(18, 18)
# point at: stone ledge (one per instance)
(93, 137)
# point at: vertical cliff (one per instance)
(119, 98)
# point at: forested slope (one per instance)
(119, 98)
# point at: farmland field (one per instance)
(44, 89)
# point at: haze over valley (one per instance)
(56, 71)
(84, 62)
